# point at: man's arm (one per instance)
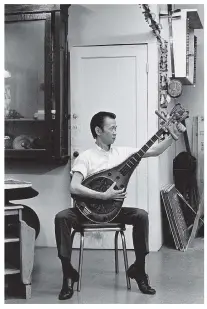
(159, 148)
(162, 146)
(77, 188)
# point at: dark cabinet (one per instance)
(36, 82)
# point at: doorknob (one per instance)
(76, 154)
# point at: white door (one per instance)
(114, 79)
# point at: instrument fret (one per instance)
(133, 158)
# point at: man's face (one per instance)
(108, 134)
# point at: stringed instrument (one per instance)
(102, 211)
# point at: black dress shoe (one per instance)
(66, 292)
(68, 283)
(142, 280)
(143, 284)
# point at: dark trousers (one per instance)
(71, 218)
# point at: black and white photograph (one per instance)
(103, 153)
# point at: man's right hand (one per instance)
(112, 194)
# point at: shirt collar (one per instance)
(101, 149)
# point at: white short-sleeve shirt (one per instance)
(96, 159)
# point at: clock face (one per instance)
(175, 88)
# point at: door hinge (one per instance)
(147, 67)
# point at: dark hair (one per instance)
(98, 121)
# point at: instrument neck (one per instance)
(132, 162)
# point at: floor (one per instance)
(177, 276)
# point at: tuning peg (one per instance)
(174, 108)
(160, 115)
(185, 115)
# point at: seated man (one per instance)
(103, 156)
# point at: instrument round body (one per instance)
(97, 210)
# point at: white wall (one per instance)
(108, 24)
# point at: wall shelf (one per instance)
(194, 19)
(11, 239)
(23, 120)
(26, 153)
(11, 271)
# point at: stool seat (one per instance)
(103, 226)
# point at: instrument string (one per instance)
(129, 165)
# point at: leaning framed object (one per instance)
(178, 226)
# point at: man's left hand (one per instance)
(178, 128)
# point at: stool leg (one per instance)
(116, 252)
(72, 237)
(80, 260)
(125, 259)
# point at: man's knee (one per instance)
(142, 214)
(59, 216)
(62, 215)
(66, 216)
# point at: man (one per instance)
(103, 156)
